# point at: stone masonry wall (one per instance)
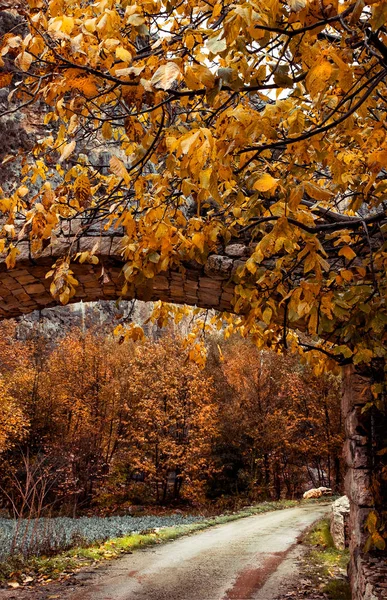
(368, 573)
(25, 288)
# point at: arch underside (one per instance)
(25, 288)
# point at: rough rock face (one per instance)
(56, 322)
(14, 133)
(368, 574)
(340, 522)
(371, 581)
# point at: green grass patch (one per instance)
(327, 563)
(43, 568)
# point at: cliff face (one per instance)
(19, 130)
(15, 132)
(103, 316)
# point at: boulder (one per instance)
(317, 493)
(339, 522)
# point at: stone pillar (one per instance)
(363, 439)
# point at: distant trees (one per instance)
(280, 425)
(119, 424)
(171, 420)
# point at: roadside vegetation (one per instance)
(329, 564)
(17, 569)
(323, 572)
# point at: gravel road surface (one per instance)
(249, 559)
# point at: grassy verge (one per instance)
(326, 566)
(17, 570)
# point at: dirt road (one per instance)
(249, 559)
(228, 562)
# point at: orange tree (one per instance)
(171, 422)
(15, 381)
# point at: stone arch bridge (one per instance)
(25, 288)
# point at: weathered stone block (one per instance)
(35, 289)
(21, 295)
(23, 279)
(357, 487)
(44, 300)
(237, 250)
(10, 283)
(237, 265)
(160, 283)
(116, 247)
(356, 423)
(356, 390)
(87, 278)
(218, 267)
(355, 455)
(339, 522)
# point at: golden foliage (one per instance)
(253, 121)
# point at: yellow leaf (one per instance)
(295, 197)
(13, 584)
(82, 190)
(10, 261)
(5, 79)
(371, 521)
(313, 322)
(166, 75)
(217, 45)
(198, 241)
(347, 252)
(118, 168)
(267, 314)
(107, 131)
(136, 19)
(346, 274)
(123, 54)
(67, 24)
(188, 141)
(379, 15)
(90, 25)
(266, 183)
(67, 151)
(316, 192)
(189, 41)
(129, 71)
(318, 77)
(297, 5)
(23, 61)
(22, 191)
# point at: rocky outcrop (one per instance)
(56, 322)
(340, 522)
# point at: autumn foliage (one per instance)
(111, 425)
(260, 122)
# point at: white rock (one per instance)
(317, 492)
(339, 516)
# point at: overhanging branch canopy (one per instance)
(261, 122)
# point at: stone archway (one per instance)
(25, 288)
